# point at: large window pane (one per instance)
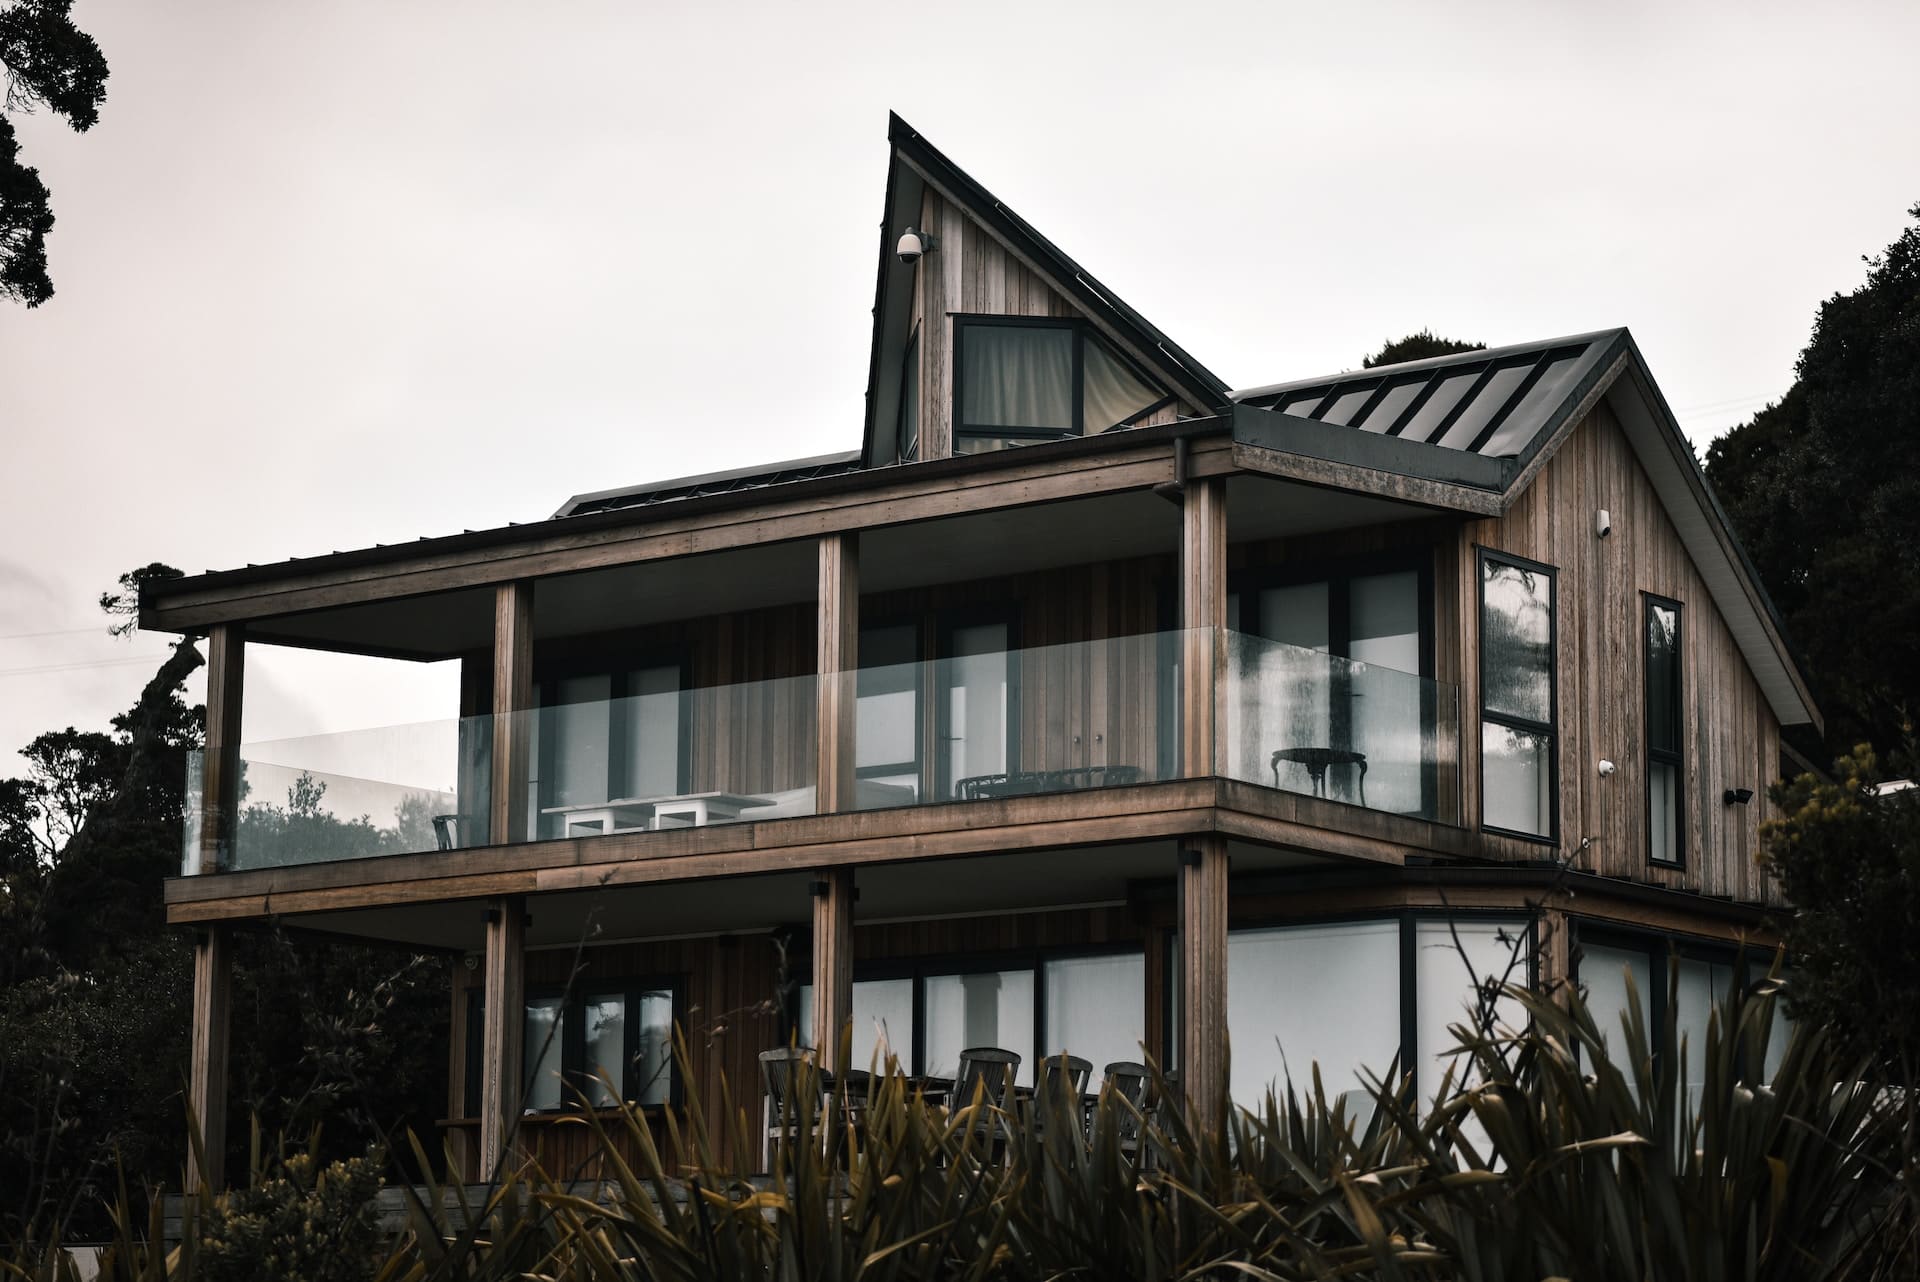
(652, 1070)
(543, 1048)
(988, 1008)
(1603, 973)
(1663, 811)
(1516, 641)
(1015, 376)
(1699, 988)
(652, 745)
(1517, 779)
(580, 739)
(604, 1020)
(1453, 963)
(1385, 620)
(1096, 1008)
(882, 1021)
(976, 703)
(886, 719)
(1663, 677)
(1300, 995)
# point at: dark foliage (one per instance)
(1823, 489)
(1417, 347)
(48, 62)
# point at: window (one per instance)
(607, 1043)
(1455, 961)
(976, 703)
(1666, 764)
(1518, 709)
(1024, 379)
(1088, 1004)
(887, 727)
(1347, 1019)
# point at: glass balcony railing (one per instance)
(1305, 721)
(992, 721)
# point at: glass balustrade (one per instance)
(1310, 722)
(991, 721)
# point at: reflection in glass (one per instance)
(652, 1080)
(986, 1008)
(882, 1021)
(605, 1022)
(543, 1052)
(1664, 720)
(652, 723)
(976, 703)
(1516, 641)
(1300, 995)
(887, 711)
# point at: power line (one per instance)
(62, 632)
(71, 667)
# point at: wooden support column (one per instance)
(512, 698)
(1203, 613)
(832, 965)
(502, 1027)
(839, 657)
(220, 765)
(207, 1064)
(1203, 977)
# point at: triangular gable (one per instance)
(1026, 275)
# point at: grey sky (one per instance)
(322, 267)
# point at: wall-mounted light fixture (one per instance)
(912, 245)
(1737, 796)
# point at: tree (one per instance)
(1823, 489)
(49, 63)
(1417, 347)
(1847, 853)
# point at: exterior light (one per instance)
(1737, 796)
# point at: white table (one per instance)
(629, 814)
(602, 817)
(692, 810)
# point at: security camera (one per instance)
(912, 246)
(1606, 768)
(1603, 523)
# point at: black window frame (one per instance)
(906, 451)
(1081, 330)
(1551, 728)
(1662, 949)
(619, 675)
(948, 622)
(917, 767)
(1675, 756)
(573, 1038)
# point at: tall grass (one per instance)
(1539, 1157)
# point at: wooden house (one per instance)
(1088, 706)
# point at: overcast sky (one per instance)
(332, 274)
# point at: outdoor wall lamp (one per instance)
(1737, 796)
(913, 244)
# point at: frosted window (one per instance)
(1603, 973)
(605, 1033)
(1096, 1008)
(1516, 779)
(652, 1069)
(989, 1008)
(543, 1048)
(882, 1022)
(1699, 988)
(1300, 995)
(1449, 961)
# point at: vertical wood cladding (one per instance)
(971, 273)
(1731, 735)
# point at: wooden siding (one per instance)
(1731, 735)
(971, 273)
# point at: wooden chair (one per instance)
(789, 1082)
(1061, 1097)
(1164, 1101)
(986, 1073)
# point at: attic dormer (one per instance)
(990, 338)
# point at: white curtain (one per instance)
(1112, 393)
(1018, 377)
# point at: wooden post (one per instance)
(502, 1028)
(220, 773)
(1203, 977)
(512, 698)
(837, 691)
(832, 965)
(1203, 613)
(207, 1065)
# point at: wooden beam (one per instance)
(207, 1063)
(1203, 978)
(833, 966)
(502, 1026)
(839, 658)
(1203, 613)
(220, 769)
(512, 704)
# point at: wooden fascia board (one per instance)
(1194, 394)
(908, 500)
(1440, 495)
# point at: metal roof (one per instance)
(710, 483)
(1499, 403)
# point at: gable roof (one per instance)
(914, 166)
(1487, 421)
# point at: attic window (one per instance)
(1026, 379)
